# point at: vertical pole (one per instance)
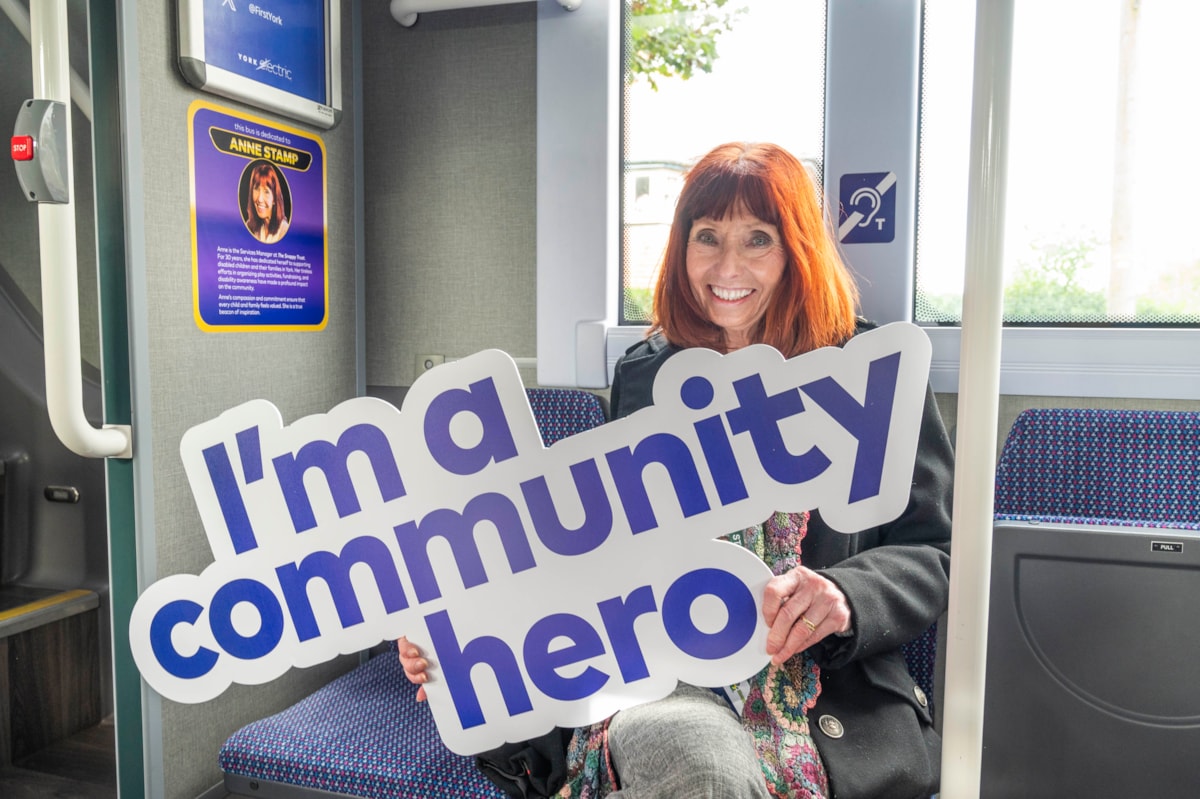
(56, 221)
(56, 240)
(978, 404)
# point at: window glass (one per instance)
(699, 73)
(1100, 133)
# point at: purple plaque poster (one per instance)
(259, 256)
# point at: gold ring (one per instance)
(807, 623)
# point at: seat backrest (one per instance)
(1106, 466)
(921, 657)
(562, 412)
(1080, 613)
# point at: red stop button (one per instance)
(22, 148)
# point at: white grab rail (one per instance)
(405, 11)
(60, 282)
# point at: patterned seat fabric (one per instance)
(562, 412)
(920, 654)
(1102, 467)
(364, 734)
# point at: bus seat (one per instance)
(364, 734)
(1094, 579)
(1102, 467)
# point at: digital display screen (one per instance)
(277, 42)
(279, 55)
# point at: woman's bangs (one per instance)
(727, 193)
(757, 198)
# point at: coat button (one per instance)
(831, 726)
(922, 700)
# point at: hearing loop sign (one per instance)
(867, 208)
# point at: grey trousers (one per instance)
(688, 745)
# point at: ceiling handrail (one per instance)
(405, 11)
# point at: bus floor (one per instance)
(82, 766)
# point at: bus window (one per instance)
(748, 70)
(1095, 143)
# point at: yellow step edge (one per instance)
(48, 602)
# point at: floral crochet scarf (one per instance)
(775, 714)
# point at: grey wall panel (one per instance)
(19, 233)
(194, 375)
(450, 152)
(19, 250)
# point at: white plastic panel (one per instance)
(578, 163)
(871, 100)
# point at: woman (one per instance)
(835, 714)
(264, 204)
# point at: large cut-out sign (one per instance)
(549, 586)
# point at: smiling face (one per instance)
(733, 267)
(264, 200)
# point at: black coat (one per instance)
(871, 723)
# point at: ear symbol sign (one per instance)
(871, 196)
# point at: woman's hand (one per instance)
(414, 665)
(801, 607)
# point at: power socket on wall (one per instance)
(427, 362)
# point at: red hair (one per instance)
(814, 304)
(264, 174)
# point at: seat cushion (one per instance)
(364, 734)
